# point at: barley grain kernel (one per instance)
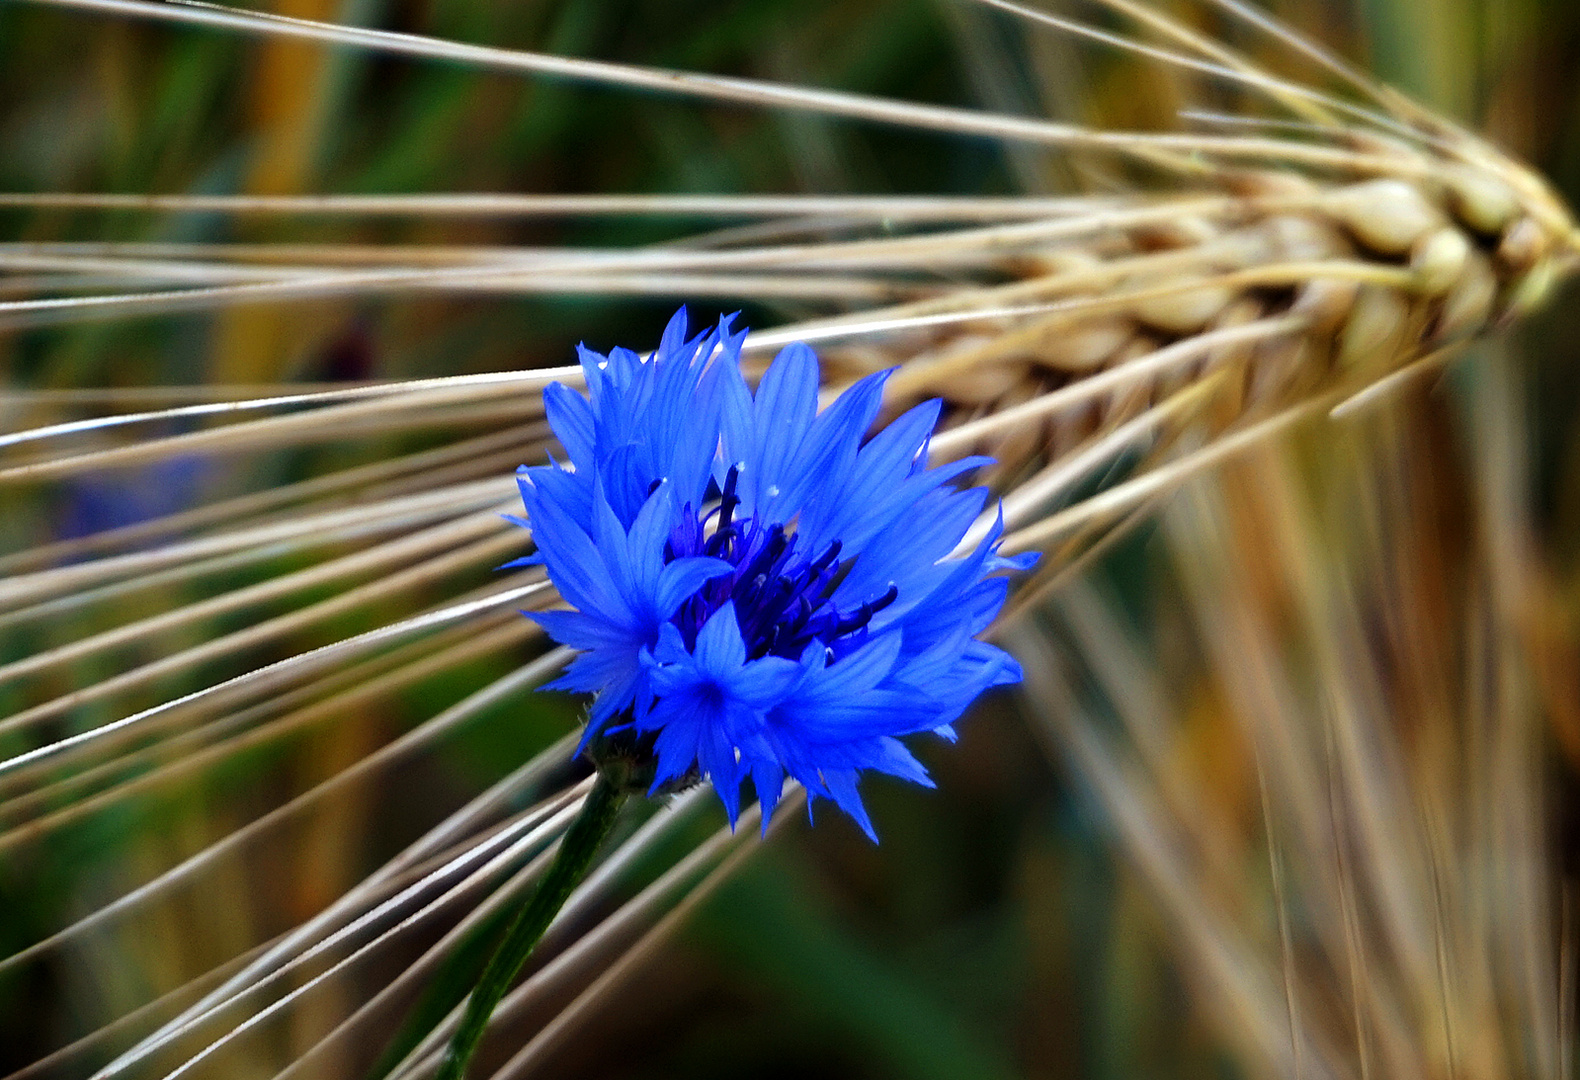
(1326, 302)
(1234, 364)
(1085, 346)
(1371, 338)
(1131, 400)
(1438, 259)
(1057, 262)
(1523, 244)
(1276, 369)
(1298, 238)
(1015, 448)
(1270, 184)
(1532, 289)
(1480, 201)
(1185, 311)
(982, 384)
(1468, 305)
(1387, 216)
(1181, 232)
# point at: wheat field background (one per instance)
(1290, 788)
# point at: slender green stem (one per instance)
(582, 841)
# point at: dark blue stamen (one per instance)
(781, 598)
(865, 613)
(728, 501)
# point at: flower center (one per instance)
(783, 595)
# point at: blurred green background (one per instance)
(994, 933)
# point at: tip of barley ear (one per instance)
(1532, 290)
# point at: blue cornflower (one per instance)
(759, 588)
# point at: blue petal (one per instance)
(676, 747)
(682, 578)
(582, 631)
(592, 371)
(674, 338)
(719, 645)
(893, 758)
(572, 420)
(872, 491)
(832, 443)
(782, 414)
(768, 778)
(764, 683)
(842, 786)
(644, 545)
(855, 674)
(575, 565)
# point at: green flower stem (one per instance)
(582, 841)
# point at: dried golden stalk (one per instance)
(1339, 804)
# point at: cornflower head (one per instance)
(759, 588)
